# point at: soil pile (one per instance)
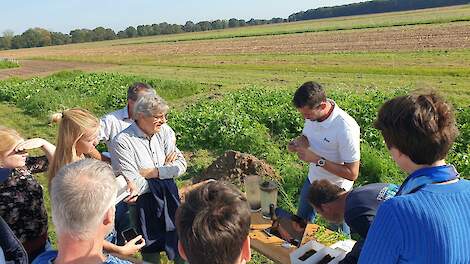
(234, 166)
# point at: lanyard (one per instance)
(425, 176)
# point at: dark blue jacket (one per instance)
(11, 246)
(157, 211)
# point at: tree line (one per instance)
(39, 37)
(371, 7)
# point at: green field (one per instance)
(6, 64)
(231, 89)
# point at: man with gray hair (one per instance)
(83, 195)
(146, 154)
(113, 123)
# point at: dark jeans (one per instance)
(149, 257)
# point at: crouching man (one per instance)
(357, 207)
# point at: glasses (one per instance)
(161, 117)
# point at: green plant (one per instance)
(98, 92)
(5, 64)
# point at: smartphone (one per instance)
(129, 234)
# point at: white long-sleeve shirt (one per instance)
(132, 150)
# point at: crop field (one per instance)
(232, 89)
(5, 64)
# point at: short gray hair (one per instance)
(81, 194)
(149, 105)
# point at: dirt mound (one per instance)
(233, 166)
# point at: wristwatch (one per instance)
(321, 162)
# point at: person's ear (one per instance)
(109, 216)
(246, 250)
(181, 251)
(320, 209)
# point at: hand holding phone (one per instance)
(129, 234)
(134, 242)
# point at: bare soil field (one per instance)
(30, 68)
(404, 38)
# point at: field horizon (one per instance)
(231, 89)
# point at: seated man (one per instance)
(82, 198)
(356, 207)
(213, 225)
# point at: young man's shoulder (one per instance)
(374, 191)
(115, 260)
(115, 116)
(49, 256)
(345, 121)
(430, 195)
(46, 257)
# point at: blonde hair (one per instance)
(9, 138)
(73, 124)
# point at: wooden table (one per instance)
(270, 246)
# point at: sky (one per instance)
(65, 15)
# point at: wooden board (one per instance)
(271, 246)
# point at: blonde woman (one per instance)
(21, 195)
(77, 137)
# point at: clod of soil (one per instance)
(234, 166)
(326, 259)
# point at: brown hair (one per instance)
(421, 126)
(73, 124)
(136, 88)
(309, 94)
(213, 223)
(322, 192)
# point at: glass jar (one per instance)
(268, 196)
(253, 192)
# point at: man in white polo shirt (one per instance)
(329, 142)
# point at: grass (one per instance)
(241, 100)
(98, 92)
(6, 64)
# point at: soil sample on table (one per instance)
(307, 254)
(325, 259)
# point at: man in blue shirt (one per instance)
(427, 221)
(83, 195)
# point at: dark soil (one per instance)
(234, 166)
